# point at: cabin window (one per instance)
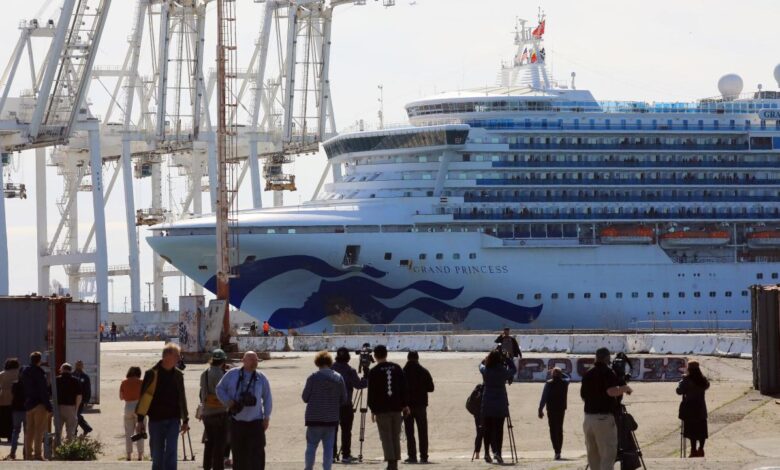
(570, 295)
(713, 293)
(456, 256)
(728, 293)
(650, 295)
(697, 294)
(351, 255)
(603, 295)
(586, 295)
(665, 295)
(388, 256)
(618, 295)
(520, 296)
(537, 296)
(681, 295)
(774, 275)
(760, 276)
(439, 255)
(423, 256)
(472, 256)
(634, 295)
(554, 295)
(744, 293)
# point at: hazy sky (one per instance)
(660, 50)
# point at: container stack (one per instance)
(765, 305)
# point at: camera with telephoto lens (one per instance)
(244, 399)
(366, 358)
(138, 436)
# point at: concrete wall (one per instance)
(731, 345)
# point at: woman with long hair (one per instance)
(495, 405)
(130, 393)
(693, 408)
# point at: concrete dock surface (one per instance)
(744, 426)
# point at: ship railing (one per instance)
(615, 198)
(632, 164)
(611, 217)
(585, 126)
(626, 182)
(638, 147)
(365, 328)
(703, 325)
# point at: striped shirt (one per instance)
(324, 395)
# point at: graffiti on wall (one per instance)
(644, 369)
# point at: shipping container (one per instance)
(63, 330)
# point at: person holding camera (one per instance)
(388, 401)
(246, 393)
(346, 414)
(213, 413)
(496, 373)
(600, 387)
(693, 408)
(164, 402)
(324, 395)
(554, 397)
(420, 384)
(130, 393)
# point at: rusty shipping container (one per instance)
(63, 330)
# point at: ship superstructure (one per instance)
(529, 204)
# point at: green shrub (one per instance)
(80, 448)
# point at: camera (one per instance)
(622, 367)
(138, 436)
(244, 399)
(366, 358)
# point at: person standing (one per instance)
(246, 393)
(130, 393)
(253, 329)
(8, 376)
(164, 402)
(346, 414)
(388, 401)
(86, 395)
(113, 331)
(266, 328)
(68, 401)
(37, 405)
(213, 413)
(600, 387)
(419, 384)
(19, 417)
(693, 408)
(495, 404)
(554, 397)
(324, 395)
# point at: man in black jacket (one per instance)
(554, 397)
(347, 414)
(38, 405)
(86, 395)
(388, 401)
(419, 384)
(510, 348)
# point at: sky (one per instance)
(664, 50)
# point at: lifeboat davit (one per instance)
(626, 235)
(694, 238)
(764, 239)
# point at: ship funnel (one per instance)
(730, 86)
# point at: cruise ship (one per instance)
(527, 204)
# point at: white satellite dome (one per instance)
(777, 74)
(730, 86)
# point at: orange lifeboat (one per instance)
(626, 235)
(695, 238)
(764, 239)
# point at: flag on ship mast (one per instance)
(520, 58)
(542, 55)
(538, 32)
(533, 58)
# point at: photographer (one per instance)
(247, 394)
(600, 387)
(554, 397)
(347, 414)
(419, 383)
(693, 408)
(388, 401)
(164, 402)
(495, 404)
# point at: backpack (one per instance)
(474, 401)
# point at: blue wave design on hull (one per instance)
(254, 273)
(358, 295)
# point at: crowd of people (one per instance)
(236, 403)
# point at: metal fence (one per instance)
(365, 328)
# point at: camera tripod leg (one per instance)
(192, 452)
(512, 442)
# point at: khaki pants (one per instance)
(131, 419)
(389, 425)
(70, 419)
(37, 422)
(600, 441)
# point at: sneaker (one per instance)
(348, 460)
(410, 460)
(424, 460)
(487, 458)
(558, 456)
(499, 460)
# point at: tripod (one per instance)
(512, 443)
(359, 404)
(624, 452)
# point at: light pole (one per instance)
(111, 295)
(149, 286)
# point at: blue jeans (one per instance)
(315, 435)
(18, 419)
(163, 443)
